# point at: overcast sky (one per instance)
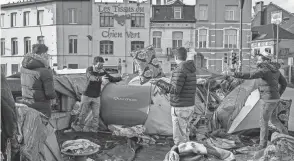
(286, 4)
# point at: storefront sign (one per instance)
(117, 9)
(113, 34)
(261, 44)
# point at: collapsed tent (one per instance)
(240, 110)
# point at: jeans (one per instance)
(87, 104)
(267, 113)
(181, 117)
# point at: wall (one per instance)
(122, 43)
(216, 24)
(48, 30)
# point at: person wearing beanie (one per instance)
(90, 100)
(271, 85)
(37, 80)
(182, 90)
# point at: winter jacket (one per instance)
(271, 83)
(37, 84)
(182, 87)
(8, 113)
(93, 86)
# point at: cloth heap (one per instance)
(147, 64)
(192, 151)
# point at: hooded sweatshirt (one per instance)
(182, 87)
(271, 83)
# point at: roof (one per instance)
(269, 31)
(165, 13)
(33, 2)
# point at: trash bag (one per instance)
(147, 64)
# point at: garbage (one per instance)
(79, 147)
(192, 151)
(221, 143)
(147, 64)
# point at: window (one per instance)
(73, 66)
(14, 68)
(40, 39)
(137, 45)
(231, 38)
(177, 39)
(230, 13)
(2, 20)
(256, 52)
(177, 12)
(137, 20)
(4, 69)
(26, 18)
(73, 44)
(40, 16)
(72, 16)
(106, 47)
(173, 66)
(27, 45)
(13, 19)
(157, 39)
(14, 46)
(269, 50)
(2, 46)
(106, 20)
(203, 12)
(202, 38)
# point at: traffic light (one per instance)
(234, 58)
(226, 58)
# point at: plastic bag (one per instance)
(147, 64)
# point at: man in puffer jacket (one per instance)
(182, 89)
(272, 85)
(37, 80)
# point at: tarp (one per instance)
(125, 104)
(159, 119)
(249, 115)
(232, 104)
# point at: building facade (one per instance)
(265, 39)
(172, 26)
(211, 27)
(52, 22)
(217, 31)
(263, 15)
(118, 29)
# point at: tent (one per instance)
(248, 117)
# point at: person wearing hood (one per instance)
(37, 80)
(182, 89)
(271, 85)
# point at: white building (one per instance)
(119, 28)
(62, 26)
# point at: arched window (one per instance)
(231, 38)
(177, 39)
(157, 39)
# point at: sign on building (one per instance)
(276, 17)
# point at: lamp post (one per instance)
(277, 46)
(241, 36)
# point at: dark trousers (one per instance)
(267, 113)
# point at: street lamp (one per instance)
(278, 25)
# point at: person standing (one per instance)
(182, 89)
(37, 80)
(271, 85)
(90, 100)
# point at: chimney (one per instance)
(258, 7)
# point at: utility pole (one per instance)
(241, 36)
